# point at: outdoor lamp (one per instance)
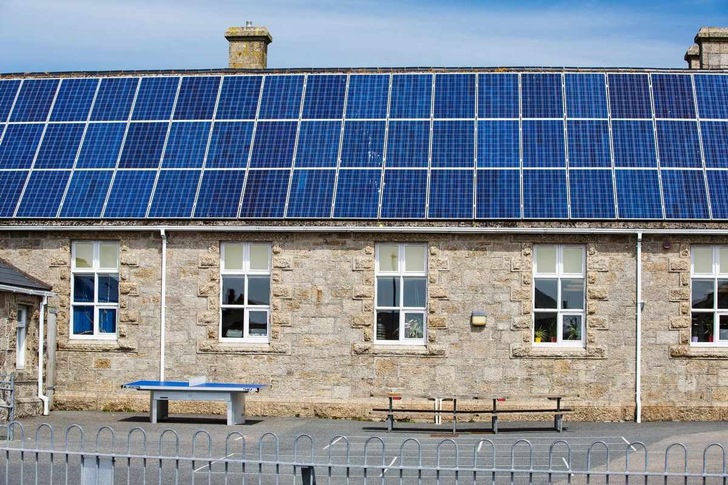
(477, 318)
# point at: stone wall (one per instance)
(322, 361)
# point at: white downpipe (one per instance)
(163, 310)
(41, 344)
(638, 340)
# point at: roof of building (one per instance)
(414, 144)
(10, 276)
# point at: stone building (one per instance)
(336, 233)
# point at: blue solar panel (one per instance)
(143, 146)
(542, 96)
(318, 144)
(717, 182)
(324, 97)
(586, 96)
(155, 98)
(265, 194)
(498, 144)
(273, 146)
(311, 193)
(35, 100)
(543, 143)
(19, 145)
(451, 194)
(357, 194)
(678, 143)
(588, 143)
(74, 99)
(197, 97)
(239, 98)
(174, 194)
(498, 194)
(86, 194)
(220, 194)
(685, 195)
(715, 147)
(453, 144)
(544, 194)
(638, 194)
(592, 194)
(8, 91)
(673, 95)
(405, 194)
(629, 96)
(408, 144)
(43, 193)
(498, 96)
(11, 185)
(411, 96)
(114, 99)
(634, 144)
(101, 145)
(281, 97)
(363, 144)
(186, 145)
(230, 145)
(712, 95)
(137, 182)
(60, 145)
(368, 96)
(454, 95)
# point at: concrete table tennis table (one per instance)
(161, 392)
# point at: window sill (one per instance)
(242, 348)
(397, 350)
(106, 345)
(706, 351)
(552, 351)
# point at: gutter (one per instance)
(372, 229)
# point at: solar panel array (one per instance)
(402, 145)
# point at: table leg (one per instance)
(438, 407)
(158, 408)
(236, 408)
(454, 415)
(557, 417)
(494, 417)
(390, 416)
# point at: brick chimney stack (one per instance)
(248, 46)
(712, 49)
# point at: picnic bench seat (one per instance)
(554, 408)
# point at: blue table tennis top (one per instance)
(183, 385)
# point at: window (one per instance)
(401, 293)
(709, 295)
(558, 298)
(245, 292)
(21, 337)
(95, 289)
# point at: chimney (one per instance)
(248, 46)
(713, 47)
(692, 57)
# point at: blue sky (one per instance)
(68, 35)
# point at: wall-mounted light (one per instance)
(477, 318)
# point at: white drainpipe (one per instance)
(638, 340)
(163, 310)
(41, 344)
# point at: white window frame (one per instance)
(245, 273)
(22, 336)
(96, 270)
(402, 274)
(559, 275)
(715, 275)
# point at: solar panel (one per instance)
(366, 145)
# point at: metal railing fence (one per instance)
(136, 457)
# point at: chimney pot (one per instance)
(248, 46)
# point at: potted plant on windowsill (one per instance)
(539, 335)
